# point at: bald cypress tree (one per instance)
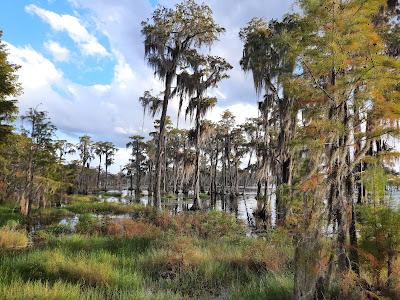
(346, 78)
(170, 36)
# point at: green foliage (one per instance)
(9, 213)
(9, 87)
(380, 235)
(375, 180)
(88, 224)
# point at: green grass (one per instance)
(204, 196)
(157, 256)
(101, 208)
(10, 212)
(112, 194)
(169, 197)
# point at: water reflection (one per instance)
(243, 207)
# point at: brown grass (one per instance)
(259, 255)
(13, 239)
(203, 224)
(130, 228)
(178, 255)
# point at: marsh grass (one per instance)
(150, 255)
(13, 239)
(112, 194)
(10, 212)
(169, 197)
(81, 207)
(51, 215)
(204, 196)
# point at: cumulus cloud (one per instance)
(111, 111)
(105, 111)
(37, 72)
(58, 52)
(87, 42)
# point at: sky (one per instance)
(83, 62)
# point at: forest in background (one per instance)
(322, 154)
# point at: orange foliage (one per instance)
(130, 228)
(311, 183)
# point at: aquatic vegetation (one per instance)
(153, 256)
(89, 224)
(100, 208)
(112, 194)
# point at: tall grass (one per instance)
(13, 239)
(153, 256)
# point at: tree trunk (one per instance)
(137, 191)
(150, 185)
(98, 173)
(284, 172)
(30, 184)
(105, 180)
(131, 182)
(245, 176)
(197, 201)
(165, 170)
(157, 185)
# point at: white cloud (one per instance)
(58, 52)
(112, 111)
(123, 73)
(241, 111)
(36, 72)
(104, 111)
(87, 42)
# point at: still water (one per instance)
(242, 206)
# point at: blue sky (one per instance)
(82, 61)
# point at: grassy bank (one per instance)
(147, 256)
